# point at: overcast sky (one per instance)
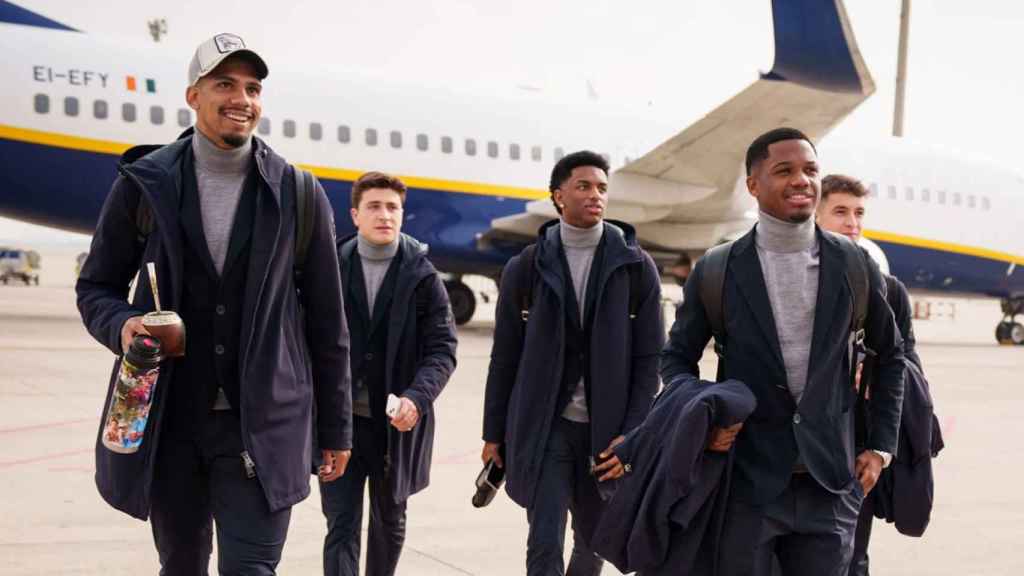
(674, 59)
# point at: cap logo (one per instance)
(228, 43)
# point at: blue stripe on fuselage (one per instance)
(14, 14)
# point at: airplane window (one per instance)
(71, 106)
(535, 154)
(470, 147)
(156, 115)
(971, 202)
(492, 149)
(42, 104)
(873, 190)
(892, 192)
(344, 134)
(446, 144)
(513, 151)
(185, 119)
(396, 139)
(941, 196)
(422, 142)
(316, 131)
(910, 194)
(956, 199)
(559, 153)
(926, 195)
(985, 204)
(100, 109)
(128, 112)
(371, 137)
(264, 126)
(289, 129)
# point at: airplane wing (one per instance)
(689, 193)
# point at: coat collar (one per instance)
(620, 249)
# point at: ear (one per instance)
(192, 97)
(558, 196)
(752, 186)
(354, 213)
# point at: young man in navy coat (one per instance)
(787, 311)
(570, 375)
(403, 347)
(228, 439)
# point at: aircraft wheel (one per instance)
(1017, 334)
(1003, 332)
(462, 299)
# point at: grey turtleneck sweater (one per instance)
(789, 261)
(220, 178)
(579, 244)
(220, 175)
(375, 260)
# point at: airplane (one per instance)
(476, 168)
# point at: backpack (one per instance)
(712, 287)
(305, 216)
(526, 280)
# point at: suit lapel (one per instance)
(192, 217)
(241, 228)
(831, 287)
(746, 267)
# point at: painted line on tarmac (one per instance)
(32, 427)
(441, 562)
(12, 463)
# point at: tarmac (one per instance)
(53, 376)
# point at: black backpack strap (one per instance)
(857, 276)
(527, 261)
(712, 287)
(305, 214)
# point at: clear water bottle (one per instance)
(130, 402)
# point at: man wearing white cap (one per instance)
(229, 435)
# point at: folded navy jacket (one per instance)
(667, 511)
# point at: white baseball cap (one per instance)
(211, 53)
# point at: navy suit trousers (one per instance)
(200, 481)
(809, 530)
(565, 474)
(342, 503)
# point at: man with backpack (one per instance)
(573, 366)
(842, 209)
(403, 352)
(789, 305)
(243, 248)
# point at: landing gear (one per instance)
(1009, 331)
(462, 298)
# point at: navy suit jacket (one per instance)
(821, 428)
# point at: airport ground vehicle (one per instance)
(19, 265)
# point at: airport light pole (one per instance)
(901, 70)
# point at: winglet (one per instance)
(14, 14)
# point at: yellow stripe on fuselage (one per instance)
(944, 246)
(117, 148)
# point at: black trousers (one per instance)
(808, 529)
(859, 565)
(565, 482)
(201, 480)
(342, 504)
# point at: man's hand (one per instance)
(407, 417)
(492, 451)
(132, 327)
(869, 468)
(335, 463)
(722, 438)
(611, 466)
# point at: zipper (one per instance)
(250, 466)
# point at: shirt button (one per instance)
(219, 350)
(368, 356)
(796, 418)
(221, 309)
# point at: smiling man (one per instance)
(228, 444)
(787, 307)
(573, 366)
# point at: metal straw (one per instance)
(152, 284)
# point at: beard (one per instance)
(800, 218)
(234, 140)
